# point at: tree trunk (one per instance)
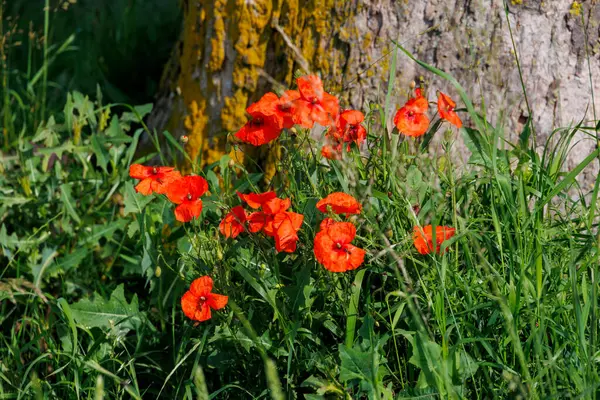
(232, 51)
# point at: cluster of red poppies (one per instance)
(303, 107)
(185, 191)
(310, 104)
(333, 246)
(273, 219)
(411, 119)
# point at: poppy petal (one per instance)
(189, 304)
(256, 200)
(138, 171)
(340, 203)
(216, 301)
(201, 286)
(203, 313)
(144, 187)
(188, 210)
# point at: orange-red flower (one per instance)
(326, 223)
(266, 123)
(349, 128)
(153, 179)
(256, 200)
(411, 119)
(315, 104)
(332, 152)
(286, 224)
(287, 107)
(233, 223)
(274, 220)
(446, 109)
(186, 192)
(333, 249)
(340, 203)
(197, 302)
(423, 238)
(263, 220)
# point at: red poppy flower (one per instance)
(233, 223)
(287, 107)
(153, 179)
(266, 123)
(263, 220)
(446, 109)
(186, 192)
(256, 200)
(423, 238)
(333, 249)
(197, 302)
(349, 128)
(340, 203)
(411, 119)
(286, 225)
(332, 152)
(326, 223)
(317, 105)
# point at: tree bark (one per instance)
(232, 51)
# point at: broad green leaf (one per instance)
(357, 364)
(44, 266)
(107, 230)
(7, 241)
(67, 199)
(72, 260)
(115, 314)
(427, 356)
(115, 134)
(102, 156)
(134, 202)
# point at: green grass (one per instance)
(91, 273)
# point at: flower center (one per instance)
(257, 121)
(202, 298)
(338, 245)
(154, 170)
(189, 196)
(314, 100)
(410, 114)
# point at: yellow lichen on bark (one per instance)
(225, 45)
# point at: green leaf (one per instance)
(102, 156)
(357, 364)
(67, 199)
(72, 260)
(427, 356)
(115, 314)
(106, 230)
(134, 202)
(9, 242)
(146, 264)
(44, 266)
(115, 134)
(353, 307)
(135, 116)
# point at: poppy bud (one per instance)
(157, 272)
(184, 139)
(413, 84)
(231, 163)
(389, 234)
(219, 254)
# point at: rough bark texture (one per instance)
(230, 50)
